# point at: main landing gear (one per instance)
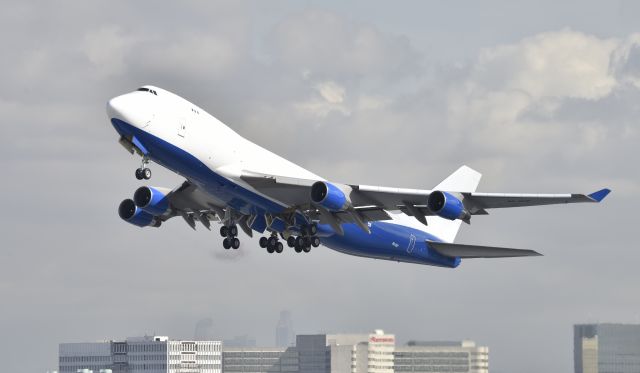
(272, 244)
(230, 233)
(143, 172)
(301, 243)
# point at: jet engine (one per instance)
(447, 206)
(151, 200)
(329, 196)
(130, 213)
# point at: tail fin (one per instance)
(465, 179)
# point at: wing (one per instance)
(193, 205)
(413, 202)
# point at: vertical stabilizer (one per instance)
(465, 179)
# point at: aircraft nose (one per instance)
(115, 107)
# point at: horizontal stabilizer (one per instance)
(474, 251)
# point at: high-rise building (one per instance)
(463, 357)
(606, 348)
(204, 330)
(284, 330)
(156, 354)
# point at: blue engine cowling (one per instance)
(447, 206)
(130, 213)
(151, 200)
(329, 196)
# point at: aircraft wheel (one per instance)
(299, 244)
(226, 244)
(291, 241)
(224, 231)
(263, 242)
(272, 241)
(146, 173)
(233, 230)
(270, 248)
(306, 248)
(279, 247)
(235, 243)
(315, 241)
(139, 174)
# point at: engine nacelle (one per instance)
(447, 206)
(130, 213)
(329, 196)
(152, 200)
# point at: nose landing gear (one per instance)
(143, 172)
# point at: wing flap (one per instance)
(475, 251)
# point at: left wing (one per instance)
(414, 202)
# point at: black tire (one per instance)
(146, 173)
(270, 249)
(139, 175)
(306, 248)
(315, 241)
(279, 247)
(299, 244)
(271, 242)
(263, 242)
(233, 230)
(298, 249)
(235, 243)
(313, 229)
(307, 242)
(226, 244)
(291, 241)
(224, 231)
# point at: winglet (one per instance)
(599, 195)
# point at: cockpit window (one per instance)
(143, 89)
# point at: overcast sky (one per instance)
(539, 96)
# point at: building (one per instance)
(436, 357)
(357, 353)
(156, 354)
(346, 353)
(284, 330)
(259, 359)
(606, 348)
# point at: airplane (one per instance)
(237, 183)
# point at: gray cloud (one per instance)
(368, 94)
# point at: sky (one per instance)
(539, 96)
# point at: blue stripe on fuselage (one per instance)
(386, 241)
(391, 242)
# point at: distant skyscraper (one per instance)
(204, 330)
(284, 330)
(606, 348)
